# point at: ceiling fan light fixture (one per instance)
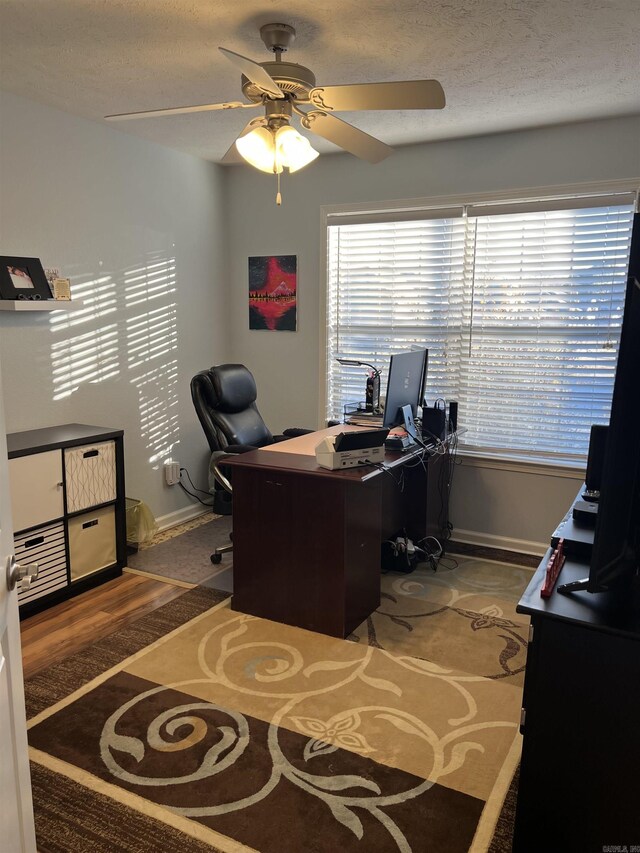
(273, 150)
(258, 149)
(270, 144)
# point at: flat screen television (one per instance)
(405, 386)
(615, 558)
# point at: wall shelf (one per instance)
(37, 304)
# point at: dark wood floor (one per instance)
(68, 627)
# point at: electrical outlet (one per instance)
(171, 472)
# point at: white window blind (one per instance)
(391, 286)
(521, 314)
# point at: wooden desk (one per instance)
(306, 541)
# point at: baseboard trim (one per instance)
(502, 543)
(187, 513)
(500, 548)
(492, 555)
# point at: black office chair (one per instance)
(225, 401)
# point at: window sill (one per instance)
(542, 466)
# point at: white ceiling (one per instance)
(504, 64)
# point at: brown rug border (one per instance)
(98, 821)
(502, 840)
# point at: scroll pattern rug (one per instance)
(245, 734)
(463, 617)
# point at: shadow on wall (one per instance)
(125, 331)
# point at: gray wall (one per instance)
(140, 231)
(121, 216)
(494, 506)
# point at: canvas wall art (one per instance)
(273, 283)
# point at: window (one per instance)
(519, 305)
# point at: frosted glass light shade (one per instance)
(272, 152)
(292, 149)
(258, 149)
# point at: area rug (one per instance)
(463, 617)
(243, 734)
(185, 555)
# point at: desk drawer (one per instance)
(44, 546)
(90, 473)
(92, 542)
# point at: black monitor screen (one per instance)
(407, 375)
(616, 545)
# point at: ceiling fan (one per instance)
(270, 142)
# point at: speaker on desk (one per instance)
(595, 461)
(434, 421)
(453, 416)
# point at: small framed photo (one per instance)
(23, 278)
(61, 288)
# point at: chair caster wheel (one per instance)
(216, 558)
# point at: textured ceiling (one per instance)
(504, 64)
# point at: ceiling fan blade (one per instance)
(232, 155)
(403, 95)
(254, 72)
(174, 111)
(347, 136)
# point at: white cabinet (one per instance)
(67, 493)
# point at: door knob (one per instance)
(19, 575)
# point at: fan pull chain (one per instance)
(278, 194)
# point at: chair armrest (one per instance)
(293, 432)
(217, 459)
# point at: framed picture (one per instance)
(23, 278)
(273, 285)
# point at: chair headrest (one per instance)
(234, 388)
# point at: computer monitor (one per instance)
(407, 377)
(423, 390)
(616, 544)
(615, 559)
